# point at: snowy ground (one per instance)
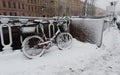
(81, 59)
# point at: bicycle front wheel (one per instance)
(64, 41)
(30, 47)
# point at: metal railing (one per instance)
(12, 21)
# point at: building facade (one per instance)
(100, 12)
(75, 6)
(32, 7)
(68, 7)
(47, 8)
(13, 7)
(40, 8)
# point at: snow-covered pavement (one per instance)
(81, 59)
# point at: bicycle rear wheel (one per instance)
(64, 41)
(30, 47)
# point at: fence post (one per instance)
(6, 47)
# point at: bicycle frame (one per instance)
(47, 41)
(51, 39)
(34, 46)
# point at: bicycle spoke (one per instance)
(64, 40)
(30, 47)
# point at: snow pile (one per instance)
(107, 63)
(81, 59)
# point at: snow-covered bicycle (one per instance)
(34, 46)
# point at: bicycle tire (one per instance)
(29, 49)
(64, 40)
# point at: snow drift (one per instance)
(81, 59)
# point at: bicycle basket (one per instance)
(63, 28)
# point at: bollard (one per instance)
(53, 28)
(6, 47)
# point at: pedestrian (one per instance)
(114, 20)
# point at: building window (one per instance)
(35, 1)
(43, 15)
(23, 6)
(28, 8)
(28, 1)
(9, 4)
(32, 9)
(4, 4)
(35, 9)
(10, 13)
(15, 14)
(4, 13)
(19, 5)
(14, 5)
(31, 1)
